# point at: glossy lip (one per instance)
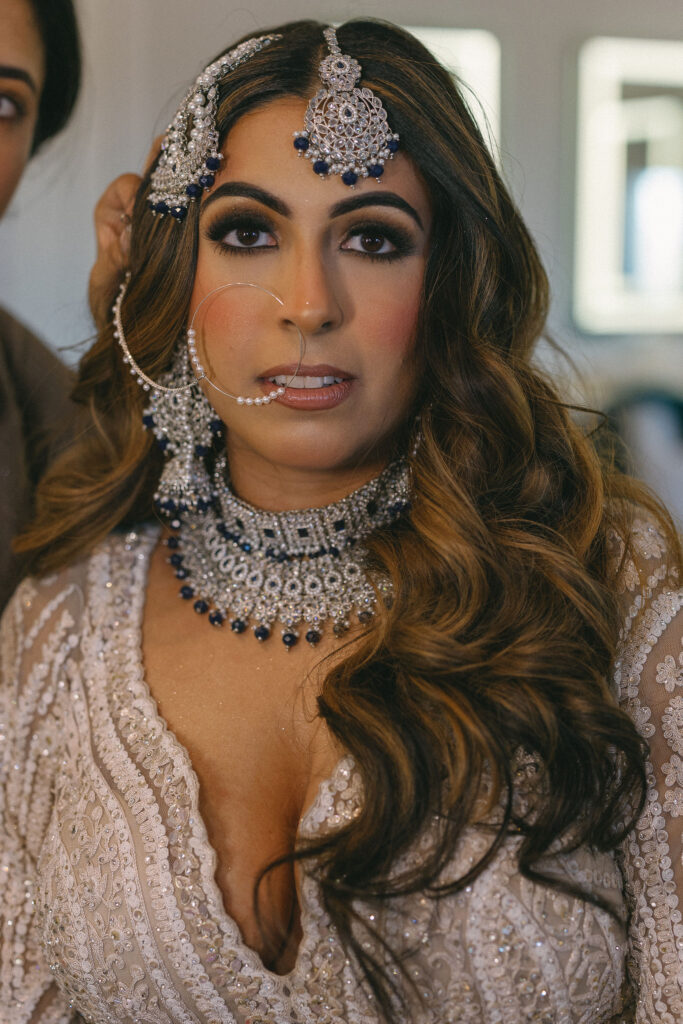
(310, 399)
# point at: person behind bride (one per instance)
(40, 74)
(331, 695)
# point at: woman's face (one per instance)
(21, 81)
(348, 266)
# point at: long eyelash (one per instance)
(222, 225)
(401, 239)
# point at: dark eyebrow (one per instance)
(6, 71)
(375, 199)
(241, 188)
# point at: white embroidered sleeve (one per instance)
(649, 678)
(36, 638)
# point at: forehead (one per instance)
(21, 46)
(259, 149)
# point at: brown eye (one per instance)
(247, 236)
(372, 243)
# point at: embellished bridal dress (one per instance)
(110, 912)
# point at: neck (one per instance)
(285, 488)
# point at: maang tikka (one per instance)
(345, 128)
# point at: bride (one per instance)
(311, 709)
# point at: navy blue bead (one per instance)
(202, 504)
(334, 551)
(147, 421)
(213, 162)
(182, 506)
(392, 145)
(246, 547)
(301, 143)
(313, 637)
(261, 632)
(175, 560)
(193, 191)
(181, 574)
(160, 207)
(206, 180)
(289, 639)
(186, 593)
(216, 426)
(238, 626)
(179, 212)
(172, 542)
(349, 177)
(375, 170)
(321, 167)
(201, 606)
(215, 618)
(201, 450)
(162, 443)
(169, 505)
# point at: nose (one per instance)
(310, 293)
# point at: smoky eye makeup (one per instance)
(377, 239)
(250, 232)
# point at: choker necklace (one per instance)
(303, 568)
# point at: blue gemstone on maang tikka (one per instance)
(194, 191)
(216, 426)
(375, 170)
(238, 625)
(147, 421)
(289, 639)
(261, 632)
(175, 560)
(172, 542)
(201, 606)
(181, 573)
(349, 177)
(301, 143)
(186, 593)
(392, 145)
(321, 167)
(160, 207)
(206, 180)
(313, 637)
(215, 618)
(212, 162)
(179, 212)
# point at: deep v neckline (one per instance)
(319, 811)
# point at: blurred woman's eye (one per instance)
(379, 241)
(241, 234)
(9, 108)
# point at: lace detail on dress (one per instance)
(107, 874)
(647, 679)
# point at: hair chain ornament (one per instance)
(303, 568)
(345, 128)
(189, 150)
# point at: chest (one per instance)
(245, 713)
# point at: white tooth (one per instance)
(329, 380)
(296, 382)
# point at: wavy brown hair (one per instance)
(504, 621)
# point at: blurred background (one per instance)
(582, 103)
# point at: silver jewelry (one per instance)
(185, 425)
(345, 129)
(189, 150)
(250, 567)
(172, 383)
